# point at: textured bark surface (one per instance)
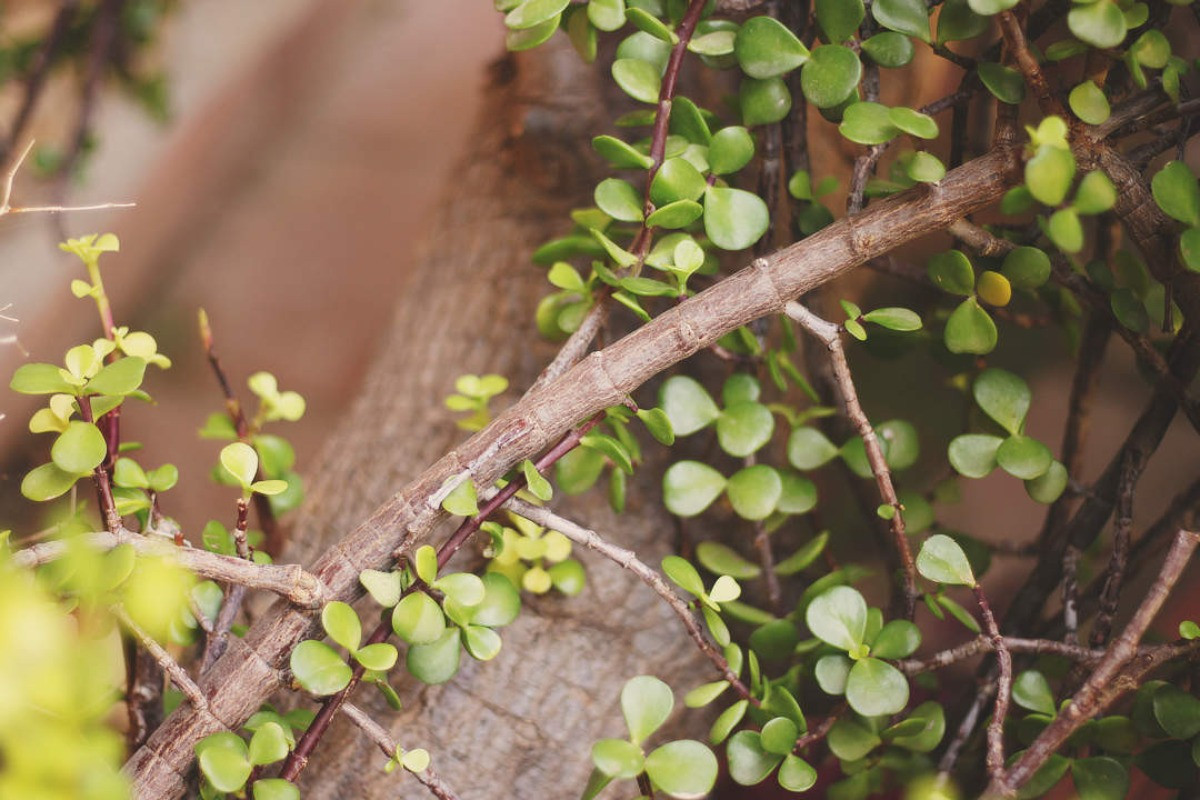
(521, 725)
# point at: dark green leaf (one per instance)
(839, 19)
(764, 101)
(952, 272)
(970, 329)
(1003, 82)
(767, 49)
(832, 73)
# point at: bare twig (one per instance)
(987, 644)
(1110, 679)
(995, 730)
(830, 335)
(629, 560)
(1118, 562)
(178, 675)
(1014, 36)
(375, 732)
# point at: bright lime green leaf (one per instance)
(1049, 174)
(534, 12)
(538, 485)
(646, 702)
(380, 656)
(838, 616)
(418, 619)
(749, 762)
(925, 167)
(734, 219)
(754, 491)
(704, 694)
(683, 769)
(896, 319)
(679, 214)
(1004, 397)
(464, 588)
(275, 789)
(764, 101)
(224, 761)
(1089, 103)
(767, 49)
(1024, 457)
(482, 643)
(606, 15)
(462, 501)
(1152, 49)
(1065, 230)
(1100, 24)
(618, 758)
(118, 378)
(80, 448)
(731, 148)
(319, 669)
(868, 123)
(342, 624)
(942, 560)
(658, 423)
(723, 560)
(650, 24)
(1177, 193)
(808, 449)
(40, 379)
(437, 661)
(676, 180)
(914, 122)
(619, 200)
(683, 575)
(501, 602)
(620, 154)
(970, 329)
(639, 79)
(240, 461)
(876, 688)
(1096, 194)
(268, 745)
(831, 74)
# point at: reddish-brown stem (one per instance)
(995, 731)
(108, 507)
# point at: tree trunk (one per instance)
(521, 725)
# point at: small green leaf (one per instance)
(275, 789)
(1065, 230)
(934, 718)
(1026, 267)
(839, 19)
(1031, 691)
(676, 179)
(40, 379)
(952, 272)
(796, 774)
(896, 319)
(534, 12)
(897, 639)
(942, 560)
(678, 214)
(1049, 173)
(804, 557)
(268, 745)
(868, 123)
(957, 21)
(832, 72)
(1047, 487)
(118, 378)
(342, 624)
(970, 329)
(1089, 103)
(831, 672)
(618, 758)
(1177, 193)
(224, 761)
(462, 502)
(876, 688)
(1005, 83)
(240, 461)
(850, 739)
(764, 101)
(606, 15)
(779, 736)
(925, 168)
(1100, 24)
(418, 619)
(1096, 194)
(731, 148)
(482, 643)
(809, 449)
(765, 48)
(727, 721)
(914, 123)
(80, 448)
(704, 694)
(646, 702)
(610, 447)
(1177, 712)
(723, 560)
(687, 405)
(743, 428)
(1004, 397)
(658, 424)
(463, 588)
(838, 617)
(538, 485)
(620, 154)
(799, 495)
(754, 492)
(749, 762)
(319, 669)
(269, 488)
(1100, 778)
(619, 200)
(683, 769)
(910, 17)
(384, 587)
(650, 24)
(1024, 457)
(639, 79)
(380, 656)
(437, 661)
(889, 49)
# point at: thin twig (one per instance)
(289, 581)
(1014, 36)
(375, 732)
(995, 730)
(178, 675)
(830, 335)
(1105, 684)
(986, 644)
(629, 560)
(1119, 561)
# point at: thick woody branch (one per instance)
(629, 560)
(375, 732)
(1116, 673)
(830, 335)
(253, 667)
(289, 581)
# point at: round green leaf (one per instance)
(1100, 24)
(1024, 457)
(1065, 230)
(839, 19)
(606, 15)
(731, 148)
(689, 487)
(831, 672)
(952, 272)
(721, 559)
(275, 789)
(80, 448)
(437, 661)
(889, 49)
(618, 758)
(118, 378)
(1031, 691)
(268, 745)
(973, 455)
(1096, 194)
(990, 7)
(40, 379)
(319, 669)
(568, 576)
(1189, 248)
(754, 492)
(684, 769)
(876, 688)
(764, 101)
(838, 616)
(896, 319)
(534, 12)
(779, 736)
(1177, 712)
(1177, 193)
(765, 48)
(342, 625)
(914, 122)
(749, 763)
(831, 75)
(1049, 173)
(956, 22)
(744, 428)
(684, 575)
(1005, 83)
(619, 200)
(906, 16)
(1026, 267)
(1100, 778)
(418, 619)
(799, 494)
(868, 123)
(809, 449)
(226, 768)
(675, 180)
(461, 587)
(501, 602)
(688, 406)
(380, 656)
(1089, 103)
(942, 560)
(1004, 397)
(897, 639)
(926, 740)
(621, 154)
(970, 329)
(639, 79)
(240, 461)
(1151, 49)
(679, 214)
(482, 643)
(925, 167)
(646, 702)
(796, 774)
(850, 739)
(734, 219)
(1047, 487)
